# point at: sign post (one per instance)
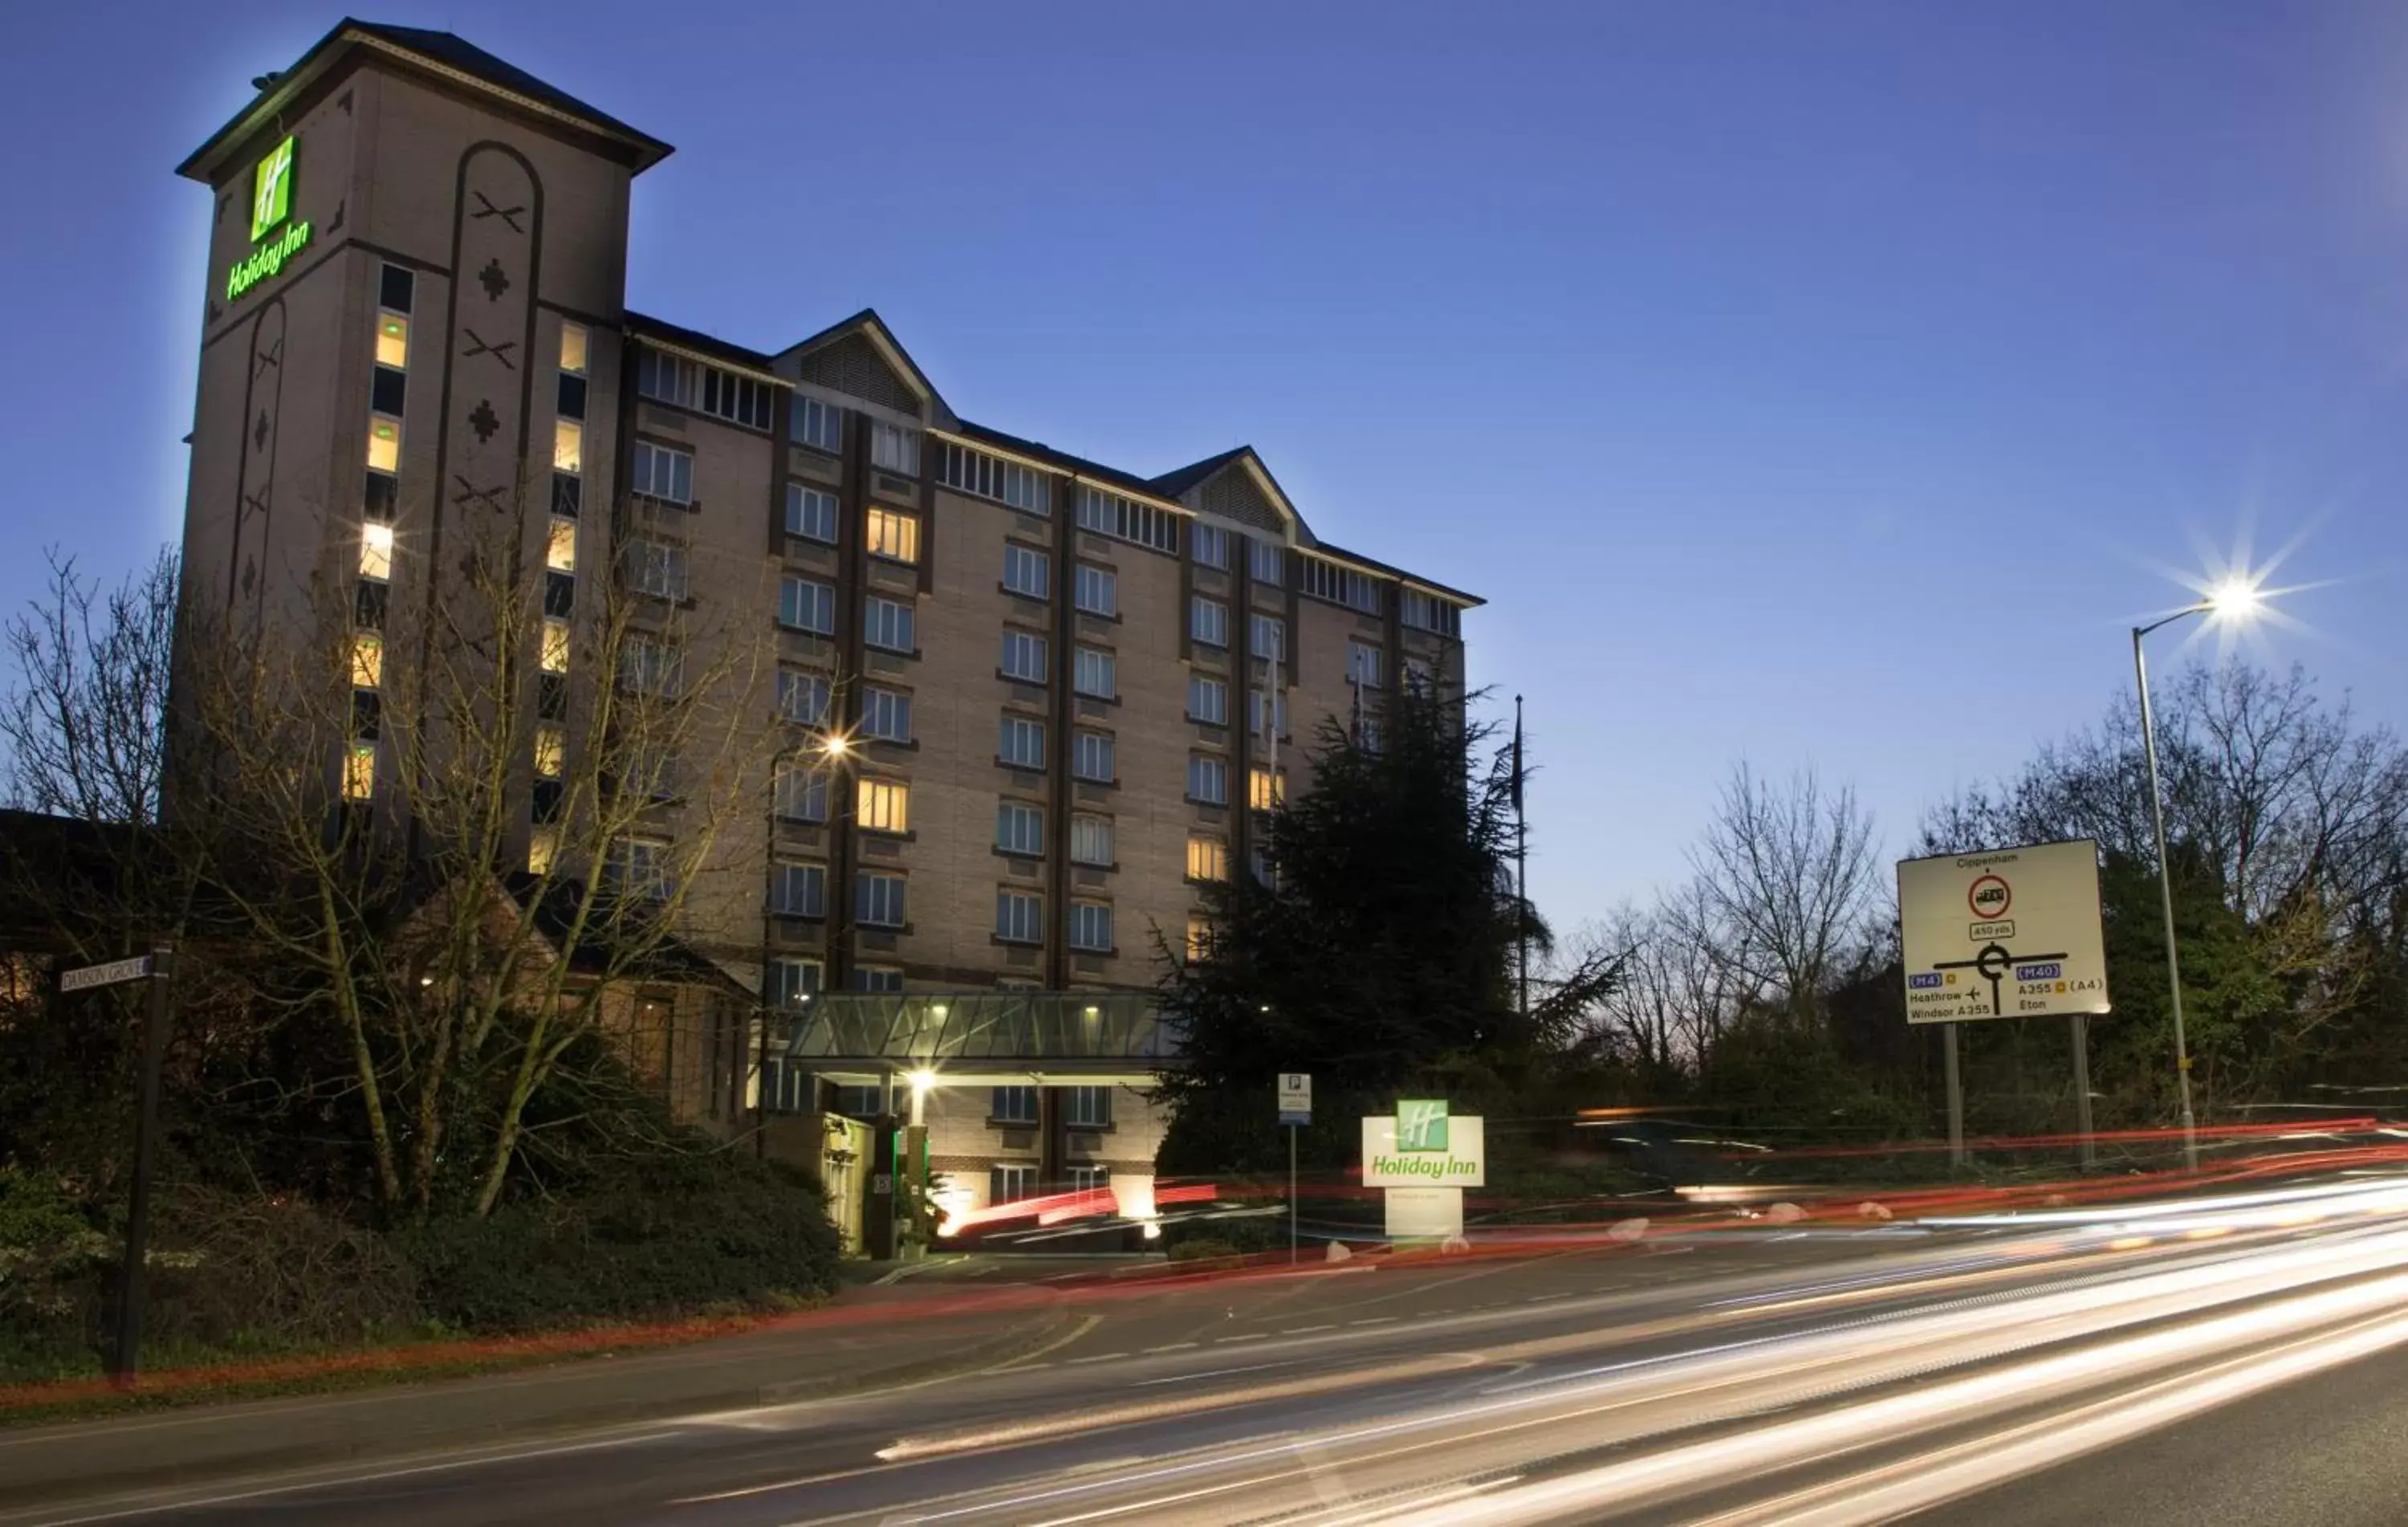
(153, 968)
(1294, 1111)
(2008, 933)
(1424, 1155)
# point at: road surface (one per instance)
(2241, 1358)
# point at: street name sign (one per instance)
(2009, 933)
(105, 975)
(1295, 1097)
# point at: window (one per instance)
(384, 444)
(690, 384)
(1268, 637)
(1421, 676)
(1095, 673)
(877, 978)
(1208, 780)
(1266, 791)
(550, 752)
(1207, 621)
(801, 793)
(395, 285)
(1208, 544)
(1339, 586)
(1023, 742)
(388, 390)
(376, 551)
(1208, 858)
(392, 340)
(572, 348)
(1109, 515)
(894, 535)
(1026, 571)
(1011, 1184)
(877, 899)
(543, 849)
(1019, 827)
(992, 477)
(1266, 712)
(1091, 927)
(1266, 562)
(559, 546)
(799, 890)
(638, 867)
(1199, 939)
(1019, 917)
(1087, 1108)
(1363, 664)
(811, 512)
(885, 714)
(893, 448)
(1091, 839)
(817, 424)
(656, 569)
(1429, 613)
(1207, 701)
(567, 446)
(1091, 756)
(668, 378)
(1367, 735)
(806, 606)
(882, 806)
(368, 659)
(1024, 655)
(787, 981)
(886, 623)
(662, 473)
(1098, 591)
(803, 697)
(652, 771)
(359, 772)
(1013, 1105)
(650, 666)
(554, 657)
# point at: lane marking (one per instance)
(1101, 1357)
(1231, 1341)
(1377, 1320)
(1214, 1373)
(1174, 1347)
(1302, 1330)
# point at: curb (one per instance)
(114, 1476)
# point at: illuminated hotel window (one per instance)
(1199, 939)
(543, 848)
(368, 659)
(572, 348)
(376, 552)
(560, 551)
(384, 444)
(1208, 858)
(555, 646)
(567, 446)
(359, 772)
(883, 805)
(893, 536)
(1266, 791)
(550, 752)
(392, 340)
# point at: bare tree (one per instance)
(1784, 885)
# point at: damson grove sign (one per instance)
(271, 210)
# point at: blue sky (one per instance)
(1825, 384)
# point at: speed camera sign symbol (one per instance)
(1989, 896)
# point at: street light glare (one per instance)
(835, 744)
(2235, 598)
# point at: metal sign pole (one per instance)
(146, 1132)
(2081, 1091)
(1956, 1096)
(1291, 1195)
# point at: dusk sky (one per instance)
(1827, 383)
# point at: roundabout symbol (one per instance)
(1993, 962)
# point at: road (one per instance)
(2238, 1357)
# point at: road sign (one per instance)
(105, 975)
(1295, 1097)
(1966, 958)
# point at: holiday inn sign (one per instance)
(271, 209)
(1420, 1145)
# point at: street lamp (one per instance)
(2234, 599)
(832, 746)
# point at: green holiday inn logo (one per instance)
(1421, 1124)
(271, 208)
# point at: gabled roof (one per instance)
(1171, 485)
(871, 326)
(1176, 484)
(443, 53)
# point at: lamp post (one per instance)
(834, 748)
(2235, 599)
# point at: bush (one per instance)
(670, 1237)
(243, 1271)
(53, 1263)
